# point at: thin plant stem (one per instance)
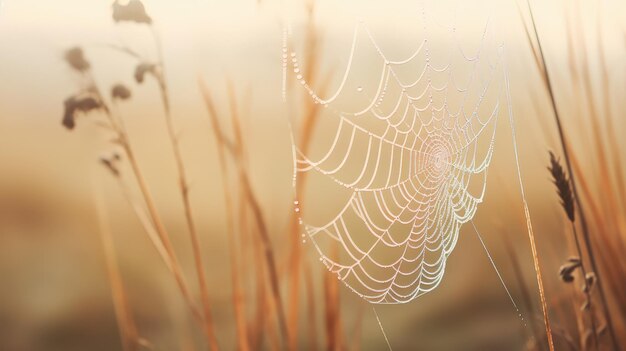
(312, 320)
(184, 190)
(250, 197)
(587, 288)
(257, 214)
(126, 324)
(222, 144)
(529, 226)
(583, 220)
(149, 201)
(526, 296)
(310, 118)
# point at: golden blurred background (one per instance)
(57, 289)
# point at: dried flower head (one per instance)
(76, 59)
(566, 271)
(133, 11)
(590, 280)
(142, 69)
(110, 162)
(562, 183)
(76, 104)
(120, 91)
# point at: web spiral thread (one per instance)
(412, 182)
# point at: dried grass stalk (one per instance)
(222, 147)
(123, 313)
(583, 220)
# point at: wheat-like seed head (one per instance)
(562, 182)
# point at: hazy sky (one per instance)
(240, 40)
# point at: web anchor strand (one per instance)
(381, 328)
(495, 268)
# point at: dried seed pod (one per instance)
(110, 162)
(120, 91)
(574, 259)
(68, 116)
(133, 11)
(590, 280)
(76, 59)
(142, 69)
(566, 270)
(75, 104)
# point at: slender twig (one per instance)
(126, 324)
(309, 120)
(222, 146)
(529, 226)
(525, 293)
(145, 223)
(586, 289)
(312, 321)
(529, 39)
(583, 220)
(257, 213)
(122, 139)
(542, 295)
(305, 134)
(249, 196)
(261, 318)
(184, 190)
(160, 228)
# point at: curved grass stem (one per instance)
(184, 191)
(579, 204)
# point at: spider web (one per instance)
(413, 161)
